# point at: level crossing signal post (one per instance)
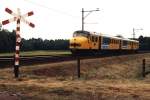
(18, 18)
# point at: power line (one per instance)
(134, 31)
(52, 9)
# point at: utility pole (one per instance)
(134, 32)
(0, 26)
(83, 17)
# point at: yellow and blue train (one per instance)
(84, 41)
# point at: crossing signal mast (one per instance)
(17, 17)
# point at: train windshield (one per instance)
(81, 33)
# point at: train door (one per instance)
(120, 44)
(125, 45)
(132, 46)
(94, 42)
(105, 43)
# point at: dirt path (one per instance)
(8, 96)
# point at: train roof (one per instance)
(119, 38)
(113, 37)
(80, 31)
(104, 35)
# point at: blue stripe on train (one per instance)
(104, 46)
(124, 47)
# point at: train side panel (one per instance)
(105, 42)
(135, 45)
(110, 44)
(114, 44)
(85, 41)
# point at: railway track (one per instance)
(40, 59)
(31, 60)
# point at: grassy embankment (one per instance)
(110, 78)
(36, 53)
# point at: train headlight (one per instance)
(78, 42)
(75, 44)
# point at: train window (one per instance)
(100, 39)
(111, 41)
(92, 38)
(114, 41)
(125, 43)
(81, 33)
(117, 41)
(106, 40)
(96, 38)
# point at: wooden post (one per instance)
(143, 68)
(78, 66)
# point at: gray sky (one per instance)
(56, 19)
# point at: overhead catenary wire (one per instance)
(52, 9)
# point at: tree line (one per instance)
(144, 43)
(7, 43)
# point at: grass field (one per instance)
(42, 52)
(110, 78)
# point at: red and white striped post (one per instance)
(17, 17)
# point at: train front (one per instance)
(79, 42)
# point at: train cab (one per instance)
(84, 41)
(80, 40)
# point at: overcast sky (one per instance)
(56, 19)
